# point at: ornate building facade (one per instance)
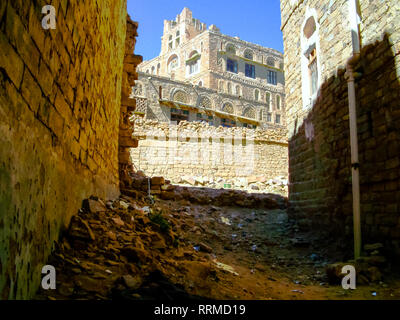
(204, 75)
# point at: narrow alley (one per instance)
(201, 244)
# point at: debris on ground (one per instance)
(178, 245)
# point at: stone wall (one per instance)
(320, 192)
(60, 99)
(214, 153)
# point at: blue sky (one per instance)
(256, 21)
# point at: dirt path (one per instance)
(272, 260)
(185, 250)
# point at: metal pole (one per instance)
(355, 174)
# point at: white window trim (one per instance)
(306, 46)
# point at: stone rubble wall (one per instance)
(212, 155)
(128, 105)
(60, 103)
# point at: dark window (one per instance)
(231, 65)
(227, 123)
(271, 77)
(277, 118)
(250, 71)
(179, 115)
(269, 118)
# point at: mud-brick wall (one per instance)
(60, 96)
(197, 149)
(319, 154)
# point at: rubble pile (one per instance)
(252, 184)
(159, 187)
(202, 243)
(122, 250)
(138, 247)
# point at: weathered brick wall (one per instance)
(319, 149)
(128, 104)
(197, 149)
(60, 98)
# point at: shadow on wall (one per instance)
(320, 192)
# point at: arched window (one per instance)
(193, 62)
(237, 90)
(230, 48)
(227, 107)
(177, 39)
(256, 94)
(153, 70)
(205, 103)
(173, 62)
(180, 96)
(170, 43)
(200, 84)
(248, 54)
(271, 61)
(310, 67)
(221, 86)
(147, 71)
(158, 69)
(229, 88)
(278, 102)
(268, 99)
(249, 112)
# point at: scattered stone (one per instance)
(373, 247)
(118, 221)
(66, 290)
(94, 205)
(111, 235)
(79, 229)
(334, 272)
(157, 181)
(205, 248)
(132, 282)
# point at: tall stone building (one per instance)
(319, 37)
(202, 74)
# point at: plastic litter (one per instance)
(299, 291)
(225, 267)
(226, 221)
